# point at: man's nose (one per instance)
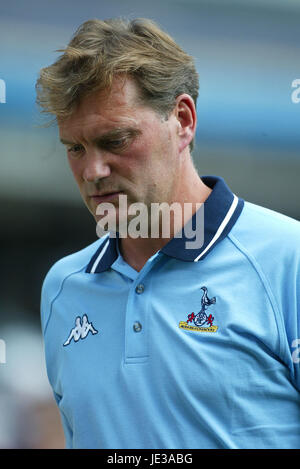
(96, 166)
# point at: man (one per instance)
(151, 342)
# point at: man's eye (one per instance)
(117, 144)
(75, 150)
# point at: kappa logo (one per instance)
(81, 329)
(202, 322)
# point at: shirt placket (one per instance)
(136, 345)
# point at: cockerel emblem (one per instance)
(202, 319)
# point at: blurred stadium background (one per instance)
(247, 54)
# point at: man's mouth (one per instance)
(107, 197)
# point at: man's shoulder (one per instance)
(257, 224)
(270, 244)
(60, 271)
(69, 265)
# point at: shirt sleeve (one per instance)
(68, 433)
(50, 289)
(293, 325)
(285, 282)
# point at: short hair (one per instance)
(102, 49)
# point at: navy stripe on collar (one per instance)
(221, 210)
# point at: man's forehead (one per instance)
(104, 110)
(95, 127)
(123, 93)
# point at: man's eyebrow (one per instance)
(65, 142)
(115, 133)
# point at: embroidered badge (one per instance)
(81, 330)
(201, 322)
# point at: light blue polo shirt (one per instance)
(200, 349)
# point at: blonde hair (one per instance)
(99, 50)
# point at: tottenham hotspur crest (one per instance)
(201, 322)
(81, 329)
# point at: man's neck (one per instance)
(136, 251)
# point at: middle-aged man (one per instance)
(152, 342)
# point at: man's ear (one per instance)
(185, 112)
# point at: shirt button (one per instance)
(139, 289)
(137, 326)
